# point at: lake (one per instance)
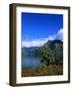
(31, 62)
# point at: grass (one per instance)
(43, 71)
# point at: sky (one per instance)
(38, 28)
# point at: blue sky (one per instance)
(38, 28)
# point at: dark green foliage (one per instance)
(47, 56)
(57, 47)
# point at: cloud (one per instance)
(40, 42)
(34, 43)
(60, 35)
(51, 37)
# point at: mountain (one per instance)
(57, 47)
(30, 51)
(51, 52)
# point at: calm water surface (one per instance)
(31, 62)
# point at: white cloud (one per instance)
(60, 35)
(52, 37)
(34, 43)
(40, 42)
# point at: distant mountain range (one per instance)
(52, 48)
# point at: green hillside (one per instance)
(51, 52)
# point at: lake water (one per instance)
(31, 62)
